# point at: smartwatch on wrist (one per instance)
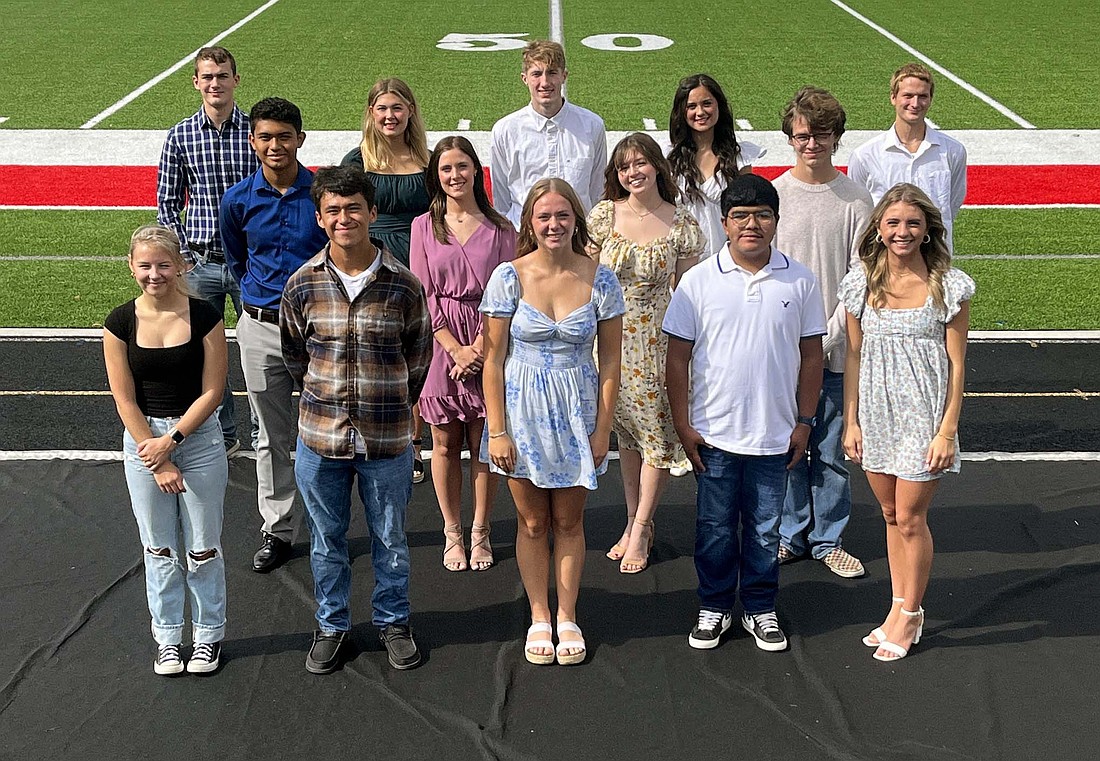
(175, 434)
(810, 421)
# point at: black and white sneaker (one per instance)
(764, 627)
(168, 660)
(709, 630)
(204, 658)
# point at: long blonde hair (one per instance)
(163, 239)
(936, 255)
(526, 242)
(377, 156)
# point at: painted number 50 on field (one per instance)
(626, 42)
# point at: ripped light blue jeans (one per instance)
(188, 525)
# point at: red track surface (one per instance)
(93, 186)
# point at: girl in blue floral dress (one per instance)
(548, 406)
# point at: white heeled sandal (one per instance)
(878, 634)
(898, 651)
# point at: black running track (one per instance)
(1008, 667)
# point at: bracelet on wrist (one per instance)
(949, 438)
(498, 435)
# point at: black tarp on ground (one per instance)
(1008, 667)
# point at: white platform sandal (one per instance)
(570, 659)
(539, 659)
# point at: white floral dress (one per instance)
(643, 419)
(903, 374)
(551, 385)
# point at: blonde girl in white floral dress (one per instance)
(648, 242)
(908, 316)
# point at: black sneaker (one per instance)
(168, 660)
(709, 630)
(324, 655)
(400, 646)
(204, 658)
(764, 627)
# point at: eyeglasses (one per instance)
(741, 218)
(803, 140)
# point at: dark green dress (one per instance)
(400, 199)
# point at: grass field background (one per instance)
(78, 58)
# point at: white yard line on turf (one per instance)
(173, 69)
(997, 105)
(744, 124)
(557, 31)
(463, 125)
(4, 119)
(649, 124)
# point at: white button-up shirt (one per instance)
(526, 147)
(938, 167)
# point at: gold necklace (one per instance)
(640, 216)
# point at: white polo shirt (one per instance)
(938, 167)
(525, 147)
(745, 360)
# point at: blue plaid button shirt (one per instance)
(197, 165)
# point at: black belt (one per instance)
(262, 315)
(216, 256)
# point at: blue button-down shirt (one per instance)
(268, 235)
(198, 163)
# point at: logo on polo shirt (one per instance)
(785, 304)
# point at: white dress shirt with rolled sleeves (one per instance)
(527, 146)
(938, 167)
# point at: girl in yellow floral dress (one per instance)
(648, 242)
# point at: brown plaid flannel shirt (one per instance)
(361, 364)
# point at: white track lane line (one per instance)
(33, 455)
(997, 105)
(173, 69)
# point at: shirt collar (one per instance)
(931, 137)
(541, 121)
(726, 265)
(387, 260)
(303, 180)
(236, 118)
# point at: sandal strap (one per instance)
(890, 647)
(569, 644)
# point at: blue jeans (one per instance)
(189, 523)
(213, 282)
(819, 496)
(384, 486)
(746, 490)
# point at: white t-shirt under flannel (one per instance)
(746, 330)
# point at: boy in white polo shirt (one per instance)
(745, 326)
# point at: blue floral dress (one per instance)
(551, 384)
(903, 375)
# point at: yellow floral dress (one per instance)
(643, 420)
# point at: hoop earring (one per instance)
(927, 238)
(878, 238)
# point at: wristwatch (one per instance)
(810, 421)
(176, 435)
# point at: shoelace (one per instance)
(168, 653)
(768, 622)
(708, 619)
(203, 652)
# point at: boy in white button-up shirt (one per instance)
(913, 151)
(549, 137)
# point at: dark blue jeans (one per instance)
(746, 491)
(384, 486)
(819, 498)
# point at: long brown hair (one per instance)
(526, 242)
(872, 249)
(438, 207)
(682, 155)
(646, 147)
(376, 151)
